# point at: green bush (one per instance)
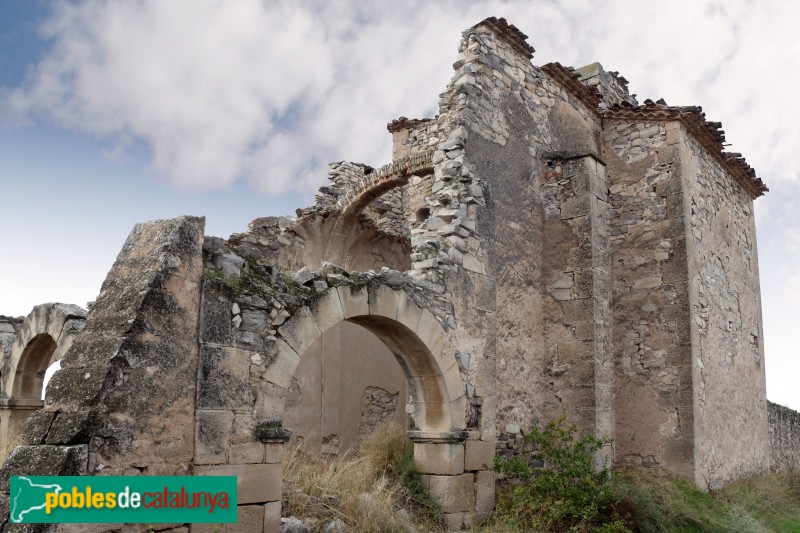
(567, 494)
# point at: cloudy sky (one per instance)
(117, 112)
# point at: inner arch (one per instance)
(33, 363)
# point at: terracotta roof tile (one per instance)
(569, 78)
(404, 123)
(709, 134)
(509, 33)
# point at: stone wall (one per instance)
(258, 324)
(385, 212)
(727, 332)
(651, 342)
(515, 116)
(41, 339)
(9, 327)
(376, 236)
(544, 245)
(611, 85)
(784, 438)
(413, 136)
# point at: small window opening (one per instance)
(423, 214)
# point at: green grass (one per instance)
(655, 503)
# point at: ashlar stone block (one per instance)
(211, 436)
(484, 491)
(408, 312)
(455, 494)
(327, 310)
(354, 300)
(281, 369)
(301, 330)
(249, 519)
(439, 458)
(272, 517)
(478, 454)
(254, 483)
(383, 301)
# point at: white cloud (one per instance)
(270, 91)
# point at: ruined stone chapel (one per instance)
(545, 244)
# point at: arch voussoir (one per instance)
(383, 301)
(354, 300)
(60, 322)
(327, 310)
(300, 330)
(408, 312)
(453, 381)
(284, 363)
(411, 332)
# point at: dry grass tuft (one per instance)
(361, 488)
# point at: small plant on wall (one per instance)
(567, 494)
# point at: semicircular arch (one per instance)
(411, 333)
(46, 334)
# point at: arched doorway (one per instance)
(346, 385)
(417, 340)
(243, 392)
(46, 334)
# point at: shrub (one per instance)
(567, 494)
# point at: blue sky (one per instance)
(118, 112)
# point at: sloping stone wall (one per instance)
(123, 402)
(126, 386)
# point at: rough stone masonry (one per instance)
(544, 245)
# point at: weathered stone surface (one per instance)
(337, 526)
(484, 491)
(249, 519)
(224, 378)
(72, 428)
(303, 276)
(784, 437)
(44, 461)
(254, 483)
(272, 517)
(37, 427)
(251, 452)
(478, 455)
(455, 494)
(211, 436)
(439, 458)
(132, 374)
(229, 264)
(293, 525)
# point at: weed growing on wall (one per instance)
(567, 494)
